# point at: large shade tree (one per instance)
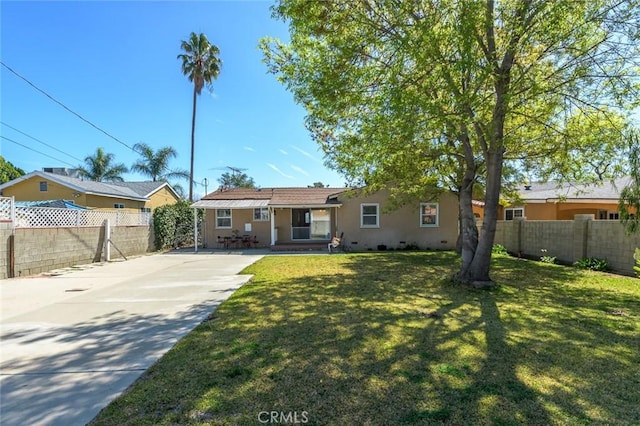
(407, 95)
(201, 64)
(236, 179)
(101, 167)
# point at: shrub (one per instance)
(636, 256)
(592, 263)
(173, 225)
(498, 249)
(546, 258)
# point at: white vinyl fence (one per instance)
(46, 217)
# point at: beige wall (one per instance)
(259, 229)
(398, 227)
(570, 240)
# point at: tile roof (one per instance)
(280, 196)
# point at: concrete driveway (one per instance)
(70, 344)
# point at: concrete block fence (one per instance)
(570, 240)
(37, 250)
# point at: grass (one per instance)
(385, 338)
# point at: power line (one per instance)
(66, 107)
(35, 150)
(38, 140)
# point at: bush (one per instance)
(593, 263)
(498, 249)
(636, 256)
(545, 258)
(173, 225)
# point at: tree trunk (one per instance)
(193, 138)
(478, 271)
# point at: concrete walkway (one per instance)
(70, 344)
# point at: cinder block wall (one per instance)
(43, 249)
(571, 240)
(5, 233)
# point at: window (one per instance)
(145, 209)
(43, 186)
(428, 214)
(223, 218)
(614, 216)
(369, 217)
(512, 213)
(118, 206)
(261, 214)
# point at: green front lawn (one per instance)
(385, 338)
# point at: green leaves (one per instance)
(101, 167)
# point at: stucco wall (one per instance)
(571, 240)
(43, 249)
(259, 229)
(398, 228)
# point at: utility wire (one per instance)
(35, 150)
(38, 140)
(66, 107)
(69, 110)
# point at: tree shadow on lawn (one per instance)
(75, 370)
(389, 340)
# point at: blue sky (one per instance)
(115, 64)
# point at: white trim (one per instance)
(260, 218)
(513, 209)
(429, 225)
(377, 216)
(230, 217)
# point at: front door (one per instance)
(300, 224)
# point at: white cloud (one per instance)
(248, 148)
(299, 170)
(305, 153)
(283, 152)
(277, 170)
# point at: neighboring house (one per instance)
(132, 196)
(299, 216)
(549, 201)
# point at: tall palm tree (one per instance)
(101, 168)
(155, 164)
(201, 64)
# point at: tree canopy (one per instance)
(201, 64)
(155, 164)
(102, 168)
(236, 179)
(446, 94)
(8, 171)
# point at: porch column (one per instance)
(195, 229)
(272, 218)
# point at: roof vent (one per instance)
(527, 187)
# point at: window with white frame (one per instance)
(513, 212)
(261, 214)
(369, 215)
(145, 209)
(428, 214)
(223, 218)
(43, 186)
(118, 206)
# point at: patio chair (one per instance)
(337, 243)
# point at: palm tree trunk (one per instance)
(193, 136)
